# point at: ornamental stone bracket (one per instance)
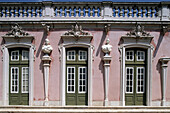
(107, 58)
(164, 61)
(46, 49)
(17, 35)
(47, 28)
(76, 35)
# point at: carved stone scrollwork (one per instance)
(164, 29)
(76, 31)
(46, 27)
(107, 28)
(138, 32)
(17, 31)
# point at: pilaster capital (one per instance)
(164, 61)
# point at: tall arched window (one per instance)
(136, 65)
(18, 68)
(76, 67)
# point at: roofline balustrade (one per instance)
(88, 11)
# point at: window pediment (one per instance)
(76, 35)
(17, 35)
(138, 35)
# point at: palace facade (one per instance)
(85, 53)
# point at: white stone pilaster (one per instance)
(164, 66)
(46, 64)
(107, 58)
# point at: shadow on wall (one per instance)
(159, 43)
(158, 68)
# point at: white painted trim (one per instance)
(63, 69)
(149, 48)
(5, 48)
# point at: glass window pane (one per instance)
(25, 79)
(129, 79)
(82, 55)
(25, 55)
(70, 79)
(140, 79)
(14, 79)
(71, 55)
(129, 55)
(15, 55)
(140, 55)
(82, 79)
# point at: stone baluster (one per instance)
(139, 12)
(38, 11)
(7, 9)
(58, 12)
(149, 16)
(16, 12)
(29, 11)
(130, 12)
(67, 11)
(46, 49)
(20, 11)
(164, 66)
(12, 10)
(116, 11)
(63, 12)
(72, 11)
(82, 13)
(107, 58)
(86, 11)
(33, 11)
(153, 11)
(125, 11)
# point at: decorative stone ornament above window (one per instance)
(76, 35)
(17, 35)
(138, 35)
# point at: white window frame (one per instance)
(143, 54)
(18, 55)
(132, 80)
(22, 81)
(85, 80)
(74, 79)
(79, 55)
(132, 55)
(23, 57)
(17, 80)
(137, 80)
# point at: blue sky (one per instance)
(83, 0)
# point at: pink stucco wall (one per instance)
(161, 46)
